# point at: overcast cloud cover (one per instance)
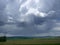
(30, 17)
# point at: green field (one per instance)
(31, 41)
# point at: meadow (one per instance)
(32, 41)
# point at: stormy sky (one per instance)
(30, 17)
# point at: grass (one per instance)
(31, 41)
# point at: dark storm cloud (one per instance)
(32, 20)
(39, 20)
(21, 24)
(2, 23)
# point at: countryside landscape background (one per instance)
(29, 22)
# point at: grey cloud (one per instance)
(39, 20)
(56, 5)
(56, 15)
(31, 25)
(3, 17)
(2, 23)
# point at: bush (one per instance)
(3, 39)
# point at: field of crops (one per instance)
(31, 41)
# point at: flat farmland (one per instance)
(31, 41)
